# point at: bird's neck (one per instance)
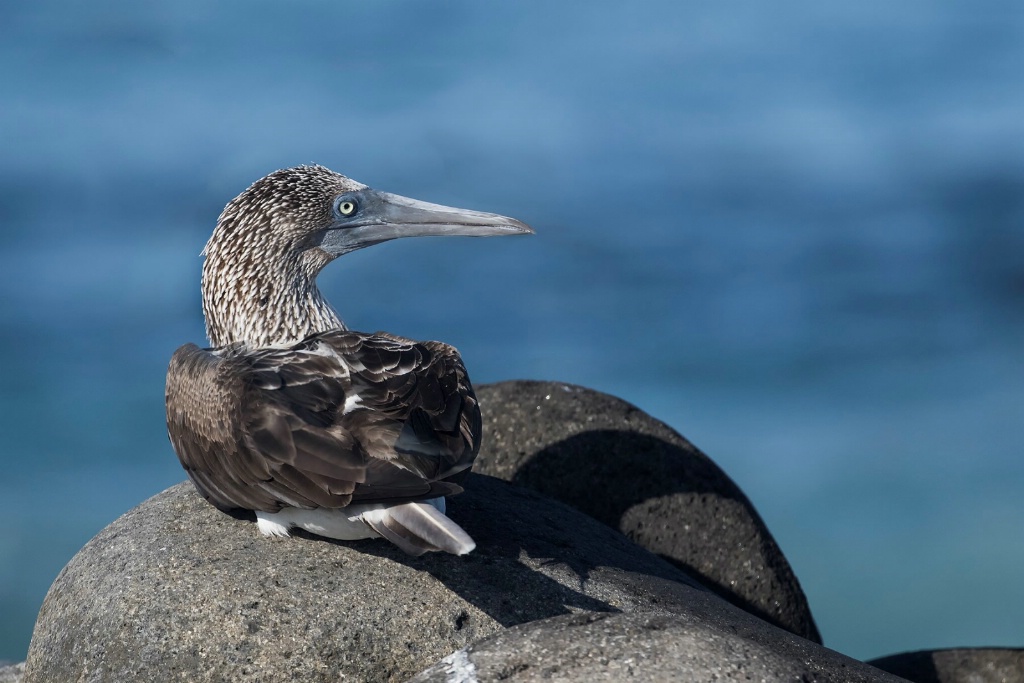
(261, 308)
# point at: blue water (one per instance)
(793, 231)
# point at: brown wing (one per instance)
(414, 411)
(341, 416)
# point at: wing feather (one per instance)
(340, 416)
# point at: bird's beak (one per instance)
(380, 216)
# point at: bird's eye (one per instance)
(346, 207)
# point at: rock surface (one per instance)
(703, 644)
(176, 591)
(12, 673)
(619, 465)
(963, 665)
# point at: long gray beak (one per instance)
(375, 217)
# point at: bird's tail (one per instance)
(419, 527)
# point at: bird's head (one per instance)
(272, 240)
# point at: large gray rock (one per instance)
(177, 591)
(611, 460)
(702, 644)
(962, 665)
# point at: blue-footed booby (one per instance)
(289, 414)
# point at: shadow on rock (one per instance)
(537, 558)
(607, 458)
(634, 496)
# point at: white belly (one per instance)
(344, 524)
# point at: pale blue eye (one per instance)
(346, 206)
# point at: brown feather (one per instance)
(268, 428)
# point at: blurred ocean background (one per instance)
(792, 230)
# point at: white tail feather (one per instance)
(415, 527)
(419, 527)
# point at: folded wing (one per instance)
(340, 417)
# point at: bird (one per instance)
(288, 413)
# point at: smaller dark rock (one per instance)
(616, 463)
(703, 644)
(959, 665)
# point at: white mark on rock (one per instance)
(459, 668)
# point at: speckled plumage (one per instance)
(346, 434)
(258, 286)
